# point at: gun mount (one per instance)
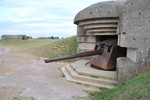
(104, 54)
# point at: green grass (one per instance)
(15, 98)
(47, 48)
(62, 74)
(26, 45)
(59, 48)
(135, 89)
(93, 76)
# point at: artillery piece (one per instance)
(104, 54)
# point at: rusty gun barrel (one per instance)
(84, 54)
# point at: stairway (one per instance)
(81, 72)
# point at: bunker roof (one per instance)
(100, 10)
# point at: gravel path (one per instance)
(25, 77)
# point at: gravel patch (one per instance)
(25, 77)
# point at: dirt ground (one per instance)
(26, 77)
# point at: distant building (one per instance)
(7, 37)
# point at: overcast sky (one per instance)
(40, 18)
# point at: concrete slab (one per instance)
(83, 67)
(92, 79)
(81, 72)
(68, 77)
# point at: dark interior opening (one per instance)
(102, 38)
(98, 68)
(23, 38)
(122, 50)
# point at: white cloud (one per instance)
(33, 17)
(46, 25)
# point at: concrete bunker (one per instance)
(126, 21)
(98, 22)
(7, 37)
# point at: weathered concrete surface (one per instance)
(101, 10)
(135, 29)
(126, 69)
(26, 79)
(136, 24)
(82, 72)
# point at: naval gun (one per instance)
(104, 54)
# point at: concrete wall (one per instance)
(135, 36)
(7, 37)
(85, 42)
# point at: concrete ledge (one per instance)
(83, 67)
(83, 75)
(98, 21)
(77, 76)
(100, 26)
(83, 82)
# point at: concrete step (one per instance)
(82, 67)
(74, 75)
(82, 73)
(68, 77)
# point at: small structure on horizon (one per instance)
(7, 37)
(42, 38)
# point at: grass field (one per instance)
(135, 89)
(47, 48)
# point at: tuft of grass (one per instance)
(135, 89)
(15, 98)
(93, 76)
(62, 74)
(78, 83)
